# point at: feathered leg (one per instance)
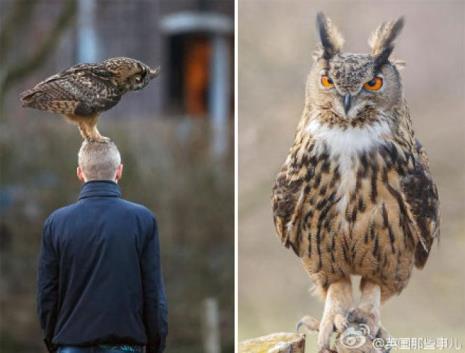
(337, 304)
(88, 128)
(370, 304)
(91, 133)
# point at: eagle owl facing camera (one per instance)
(84, 91)
(355, 195)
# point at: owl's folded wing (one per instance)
(51, 95)
(73, 91)
(287, 199)
(421, 194)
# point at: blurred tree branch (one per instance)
(17, 70)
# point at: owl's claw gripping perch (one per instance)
(340, 322)
(309, 323)
(100, 139)
(357, 321)
(331, 322)
(313, 325)
(337, 305)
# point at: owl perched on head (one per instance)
(355, 195)
(84, 91)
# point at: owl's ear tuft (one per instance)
(331, 40)
(154, 72)
(382, 40)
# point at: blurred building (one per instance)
(192, 40)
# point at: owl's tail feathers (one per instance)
(31, 97)
(34, 99)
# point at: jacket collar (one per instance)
(99, 188)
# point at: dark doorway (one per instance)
(189, 58)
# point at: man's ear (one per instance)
(119, 173)
(80, 174)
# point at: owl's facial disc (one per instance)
(354, 86)
(349, 106)
(143, 77)
(349, 85)
(138, 82)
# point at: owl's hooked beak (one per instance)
(347, 102)
(154, 72)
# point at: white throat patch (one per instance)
(350, 141)
(343, 145)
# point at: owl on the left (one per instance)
(82, 92)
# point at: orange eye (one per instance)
(326, 81)
(374, 85)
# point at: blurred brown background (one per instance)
(175, 137)
(276, 40)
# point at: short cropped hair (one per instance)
(99, 161)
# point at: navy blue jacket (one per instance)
(99, 276)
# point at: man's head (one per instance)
(99, 161)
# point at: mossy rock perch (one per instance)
(282, 342)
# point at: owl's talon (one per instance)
(105, 140)
(309, 323)
(334, 322)
(341, 322)
(102, 139)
